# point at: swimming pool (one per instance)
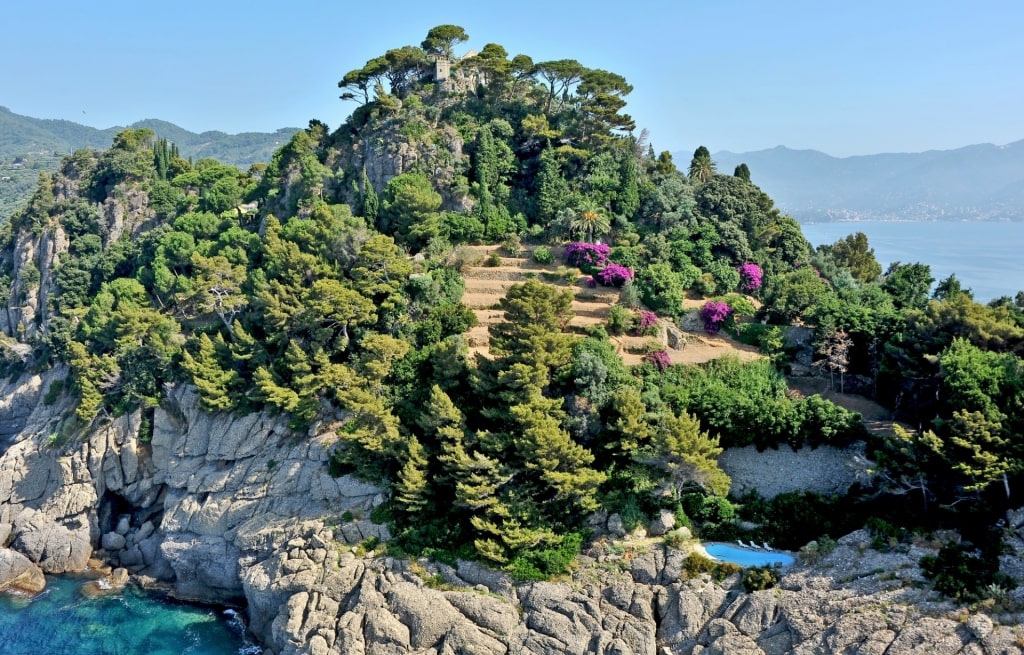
(746, 556)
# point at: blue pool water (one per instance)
(747, 557)
(61, 621)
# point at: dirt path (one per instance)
(487, 285)
(877, 419)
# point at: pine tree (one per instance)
(411, 486)
(687, 454)
(631, 426)
(371, 202)
(561, 464)
(208, 375)
(552, 191)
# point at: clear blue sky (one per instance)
(842, 77)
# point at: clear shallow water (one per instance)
(987, 257)
(60, 621)
(747, 557)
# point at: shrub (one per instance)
(589, 257)
(646, 324)
(542, 563)
(620, 320)
(677, 538)
(659, 358)
(714, 313)
(741, 305)
(963, 572)
(630, 295)
(512, 245)
(706, 285)
(494, 259)
(885, 536)
(465, 257)
(542, 255)
(696, 564)
(750, 277)
(815, 550)
(615, 275)
(759, 578)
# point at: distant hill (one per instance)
(28, 145)
(978, 182)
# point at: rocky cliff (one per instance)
(222, 508)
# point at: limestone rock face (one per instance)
(17, 573)
(223, 508)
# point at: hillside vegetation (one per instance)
(30, 145)
(328, 287)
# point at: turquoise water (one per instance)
(60, 621)
(747, 557)
(987, 257)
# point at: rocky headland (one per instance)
(227, 509)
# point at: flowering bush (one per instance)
(588, 256)
(648, 319)
(646, 323)
(615, 275)
(714, 314)
(750, 277)
(659, 358)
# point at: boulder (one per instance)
(112, 541)
(56, 548)
(664, 522)
(616, 527)
(18, 573)
(123, 525)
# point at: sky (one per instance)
(846, 78)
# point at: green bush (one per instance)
(965, 573)
(759, 578)
(512, 245)
(695, 564)
(494, 259)
(543, 563)
(542, 255)
(620, 320)
(629, 296)
(54, 392)
(885, 536)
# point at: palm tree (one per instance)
(590, 221)
(702, 168)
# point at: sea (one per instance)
(986, 256)
(63, 621)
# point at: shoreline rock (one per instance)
(252, 518)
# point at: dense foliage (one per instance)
(317, 287)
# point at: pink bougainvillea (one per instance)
(615, 275)
(588, 256)
(714, 314)
(659, 358)
(647, 320)
(750, 277)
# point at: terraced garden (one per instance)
(486, 285)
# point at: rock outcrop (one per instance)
(223, 508)
(18, 573)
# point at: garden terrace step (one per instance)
(495, 273)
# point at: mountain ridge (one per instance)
(29, 145)
(974, 182)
